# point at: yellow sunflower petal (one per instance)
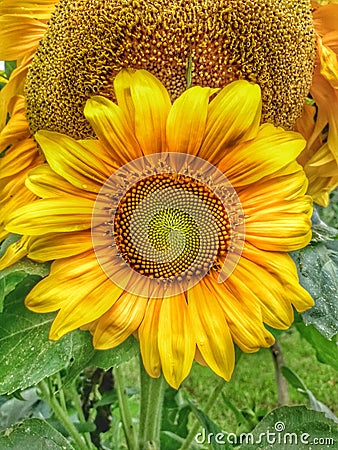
(83, 309)
(123, 95)
(17, 196)
(282, 268)
(57, 246)
(68, 280)
(151, 104)
(51, 215)
(71, 160)
(291, 186)
(18, 157)
(211, 331)
(14, 252)
(45, 183)
(329, 64)
(282, 227)
(175, 340)
(271, 150)
(16, 128)
(187, 119)
(244, 318)
(120, 321)
(266, 290)
(233, 116)
(19, 38)
(148, 336)
(112, 128)
(39, 9)
(14, 87)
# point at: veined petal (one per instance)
(14, 252)
(51, 215)
(21, 196)
(262, 288)
(14, 87)
(39, 9)
(211, 331)
(68, 280)
(151, 104)
(284, 227)
(16, 128)
(325, 18)
(74, 162)
(120, 321)
(290, 186)
(19, 38)
(175, 340)
(271, 150)
(59, 245)
(282, 268)
(244, 318)
(122, 84)
(45, 183)
(85, 308)
(233, 116)
(187, 119)
(112, 128)
(18, 157)
(148, 336)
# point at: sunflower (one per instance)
(319, 122)
(174, 224)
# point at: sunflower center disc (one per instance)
(159, 234)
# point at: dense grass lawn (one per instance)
(253, 388)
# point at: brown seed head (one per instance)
(205, 42)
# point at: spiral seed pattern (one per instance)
(163, 222)
(171, 225)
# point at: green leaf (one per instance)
(85, 355)
(7, 242)
(171, 440)
(13, 275)
(14, 409)
(175, 419)
(105, 359)
(326, 350)
(330, 213)
(210, 434)
(27, 355)
(321, 231)
(299, 384)
(318, 274)
(33, 434)
(9, 67)
(292, 427)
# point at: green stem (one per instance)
(282, 385)
(79, 411)
(61, 415)
(129, 429)
(60, 392)
(196, 424)
(152, 393)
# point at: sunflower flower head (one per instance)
(182, 42)
(174, 224)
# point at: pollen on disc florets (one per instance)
(88, 41)
(164, 242)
